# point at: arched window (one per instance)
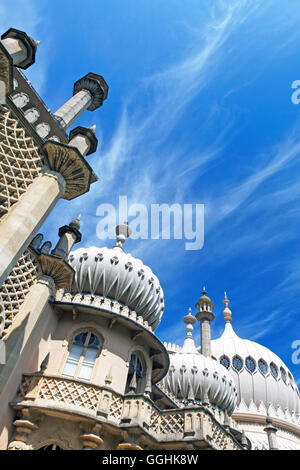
(225, 361)
(237, 363)
(283, 374)
(136, 374)
(250, 364)
(82, 356)
(274, 370)
(263, 366)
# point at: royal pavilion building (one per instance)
(84, 368)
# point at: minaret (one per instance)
(205, 316)
(189, 343)
(68, 236)
(20, 47)
(89, 93)
(271, 433)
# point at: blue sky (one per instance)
(199, 111)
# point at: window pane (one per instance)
(75, 352)
(80, 339)
(90, 355)
(263, 366)
(85, 371)
(225, 362)
(70, 369)
(237, 363)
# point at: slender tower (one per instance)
(205, 316)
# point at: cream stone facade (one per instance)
(84, 368)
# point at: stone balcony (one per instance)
(195, 426)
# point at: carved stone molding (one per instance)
(6, 66)
(56, 268)
(67, 161)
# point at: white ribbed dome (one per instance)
(117, 275)
(262, 379)
(196, 378)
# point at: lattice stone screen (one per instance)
(20, 162)
(17, 286)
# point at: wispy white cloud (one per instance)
(27, 15)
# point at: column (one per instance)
(26, 217)
(21, 47)
(89, 93)
(271, 433)
(205, 316)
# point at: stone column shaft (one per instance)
(73, 108)
(64, 245)
(205, 338)
(26, 217)
(271, 433)
(16, 49)
(19, 333)
(82, 143)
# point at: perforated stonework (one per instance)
(70, 392)
(20, 162)
(17, 286)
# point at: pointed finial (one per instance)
(93, 128)
(37, 43)
(189, 345)
(76, 222)
(227, 312)
(123, 231)
(204, 303)
(189, 320)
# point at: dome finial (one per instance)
(189, 344)
(189, 320)
(76, 222)
(123, 231)
(227, 312)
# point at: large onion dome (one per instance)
(264, 383)
(198, 379)
(113, 274)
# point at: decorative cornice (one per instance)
(71, 165)
(102, 303)
(56, 268)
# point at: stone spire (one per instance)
(205, 316)
(123, 231)
(189, 343)
(69, 235)
(21, 47)
(227, 312)
(89, 93)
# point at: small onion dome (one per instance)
(203, 301)
(114, 274)
(194, 378)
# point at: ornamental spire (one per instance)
(189, 344)
(123, 231)
(227, 312)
